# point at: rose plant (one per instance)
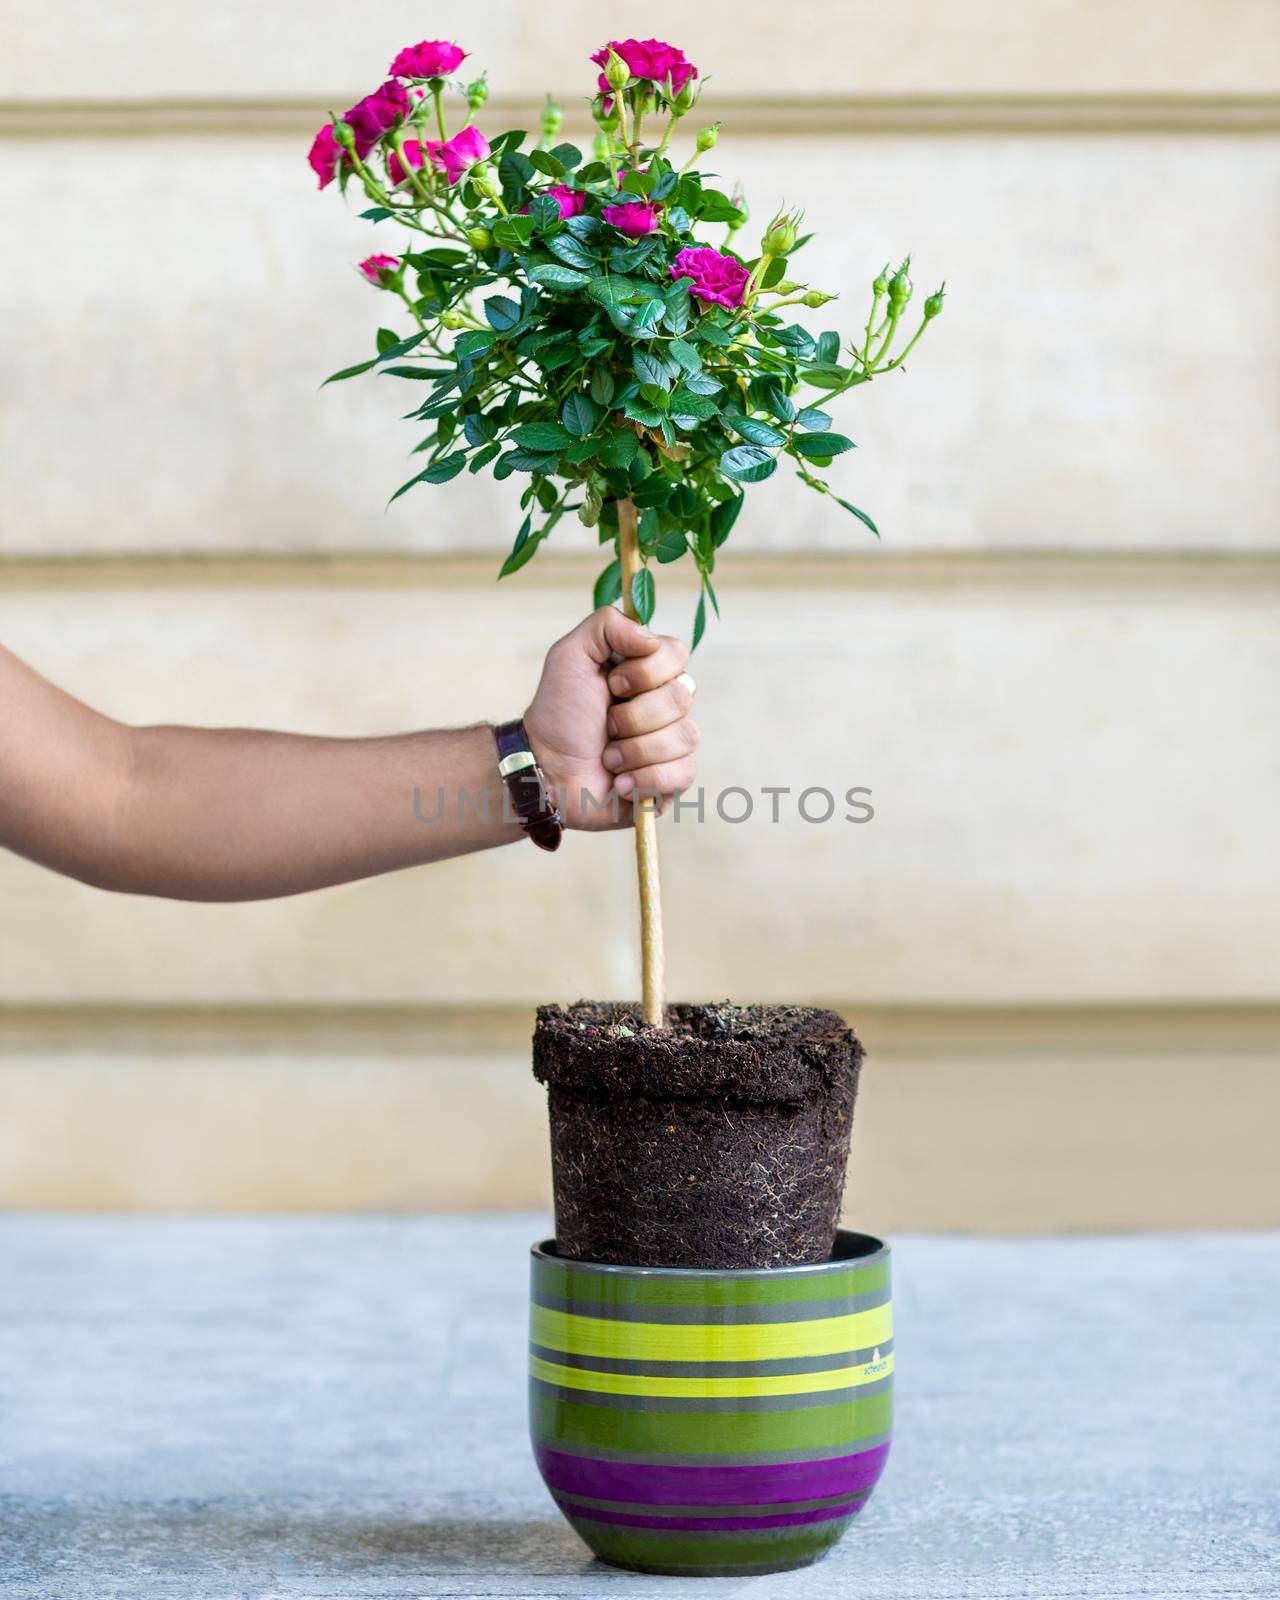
(574, 324)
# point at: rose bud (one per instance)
(479, 237)
(707, 136)
(780, 236)
(482, 176)
(552, 119)
(933, 305)
(451, 319)
(616, 71)
(881, 285)
(900, 287)
(816, 298)
(478, 92)
(686, 99)
(342, 132)
(738, 201)
(381, 271)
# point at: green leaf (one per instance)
(702, 383)
(541, 436)
(723, 517)
(748, 463)
(349, 372)
(514, 171)
(402, 347)
(581, 450)
(571, 251)
(376, 214)
(647, 416)
(643, 595)
(513, 233)
(699, 622)
(683, 352)
(620, 448)
(827, 351)
(557, 277)
(502, 313)
(447, 467)
(861, 515)
(756, 432)
(671, 546)
(651, 369)
(420, 374)
(531, 460)
(386, 338)
(813, 419)
(546, 163)
(822, 446)
(826, 377)
(608, 586)
(521, 551)
(601, 385)
(483, 457)
(579, 414)
(568, 155)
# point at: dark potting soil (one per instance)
(719, 1141)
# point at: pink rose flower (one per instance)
(648, 58)
(433, 58)
(396, 167)
(717, 280)
(379, 268)
(325, 155)
(635, 218)
(454, 156)
(572, 202)
(369, 119)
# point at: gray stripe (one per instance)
(783, 1367)
(712, 1316)
(846, 1258)
(715, 1404)
(758, 1508)
(712, 1458)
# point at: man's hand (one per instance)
(611, 715)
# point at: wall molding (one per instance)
(924, 114)
(755, 569)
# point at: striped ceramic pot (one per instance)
(712, 1423)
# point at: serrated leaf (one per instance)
(602, 385)
(513, 233)
(547, 164)
(418, 374)
(827, 350)
(699, 622)
(748, 463)
(651, 369)
(754, 431)
(579, 414)
(702, 383)
(861, 515)
(620, 448)
(521, 551)
(723, 517)
(556, 276)
(568, 155)
(608, 586)
(671, 546)
(447, 467)
(401, 347)
(682, 351)
(812, 419)
(648, 315)
(349, 372)
(822, 446)
(483, 457)
(643, 595)
(502, 313)
(571, 251)
(541, 436)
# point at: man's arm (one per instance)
(238, 814)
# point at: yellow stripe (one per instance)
(710, 1388)
(731, 1341)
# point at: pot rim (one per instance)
(545, 1250)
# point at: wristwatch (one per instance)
(531, 800)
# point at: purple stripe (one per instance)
(656, 1485)
(787, 1519)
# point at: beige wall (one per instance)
(1058, 675)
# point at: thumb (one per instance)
(607, 632)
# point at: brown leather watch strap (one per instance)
(531, 800)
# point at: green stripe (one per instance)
(659, 1548)
(559, 1279)
(655, 1435)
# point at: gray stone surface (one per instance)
(317, 1409)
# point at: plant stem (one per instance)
(652, 958)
